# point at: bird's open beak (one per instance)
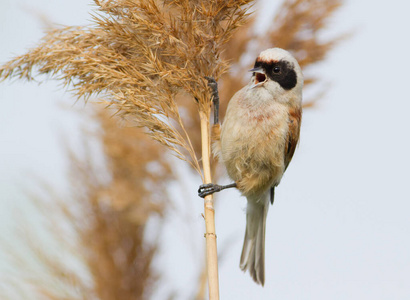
(260, 77)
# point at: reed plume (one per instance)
(100, 223)
(138, 56)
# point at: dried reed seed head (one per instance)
(140, 55)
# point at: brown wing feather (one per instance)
(295, 116)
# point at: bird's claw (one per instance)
(208, 189)
(212, 83)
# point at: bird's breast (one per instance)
(253, 142)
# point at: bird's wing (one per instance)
(295, 116)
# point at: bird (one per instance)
(256, 143)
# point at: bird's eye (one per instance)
(276, 70)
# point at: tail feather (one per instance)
(253, 251)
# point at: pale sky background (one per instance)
(340, 225)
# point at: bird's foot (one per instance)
(212, 84)
(208, 189)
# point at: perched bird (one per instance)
(256, 143)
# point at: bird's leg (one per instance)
(210, 188)
(215, 97)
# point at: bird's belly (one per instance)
(253, 152)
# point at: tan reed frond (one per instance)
(304, 21)
(106, 216)
(113, 231)
(139, 55)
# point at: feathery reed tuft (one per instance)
(101, 223)
(139, 55)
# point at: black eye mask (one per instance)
(281, 71)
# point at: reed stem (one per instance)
(210, 235)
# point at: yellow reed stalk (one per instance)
(210, 234)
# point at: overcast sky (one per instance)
(340, 226)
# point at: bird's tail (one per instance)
(253, 251)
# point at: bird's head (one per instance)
(276, 70)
